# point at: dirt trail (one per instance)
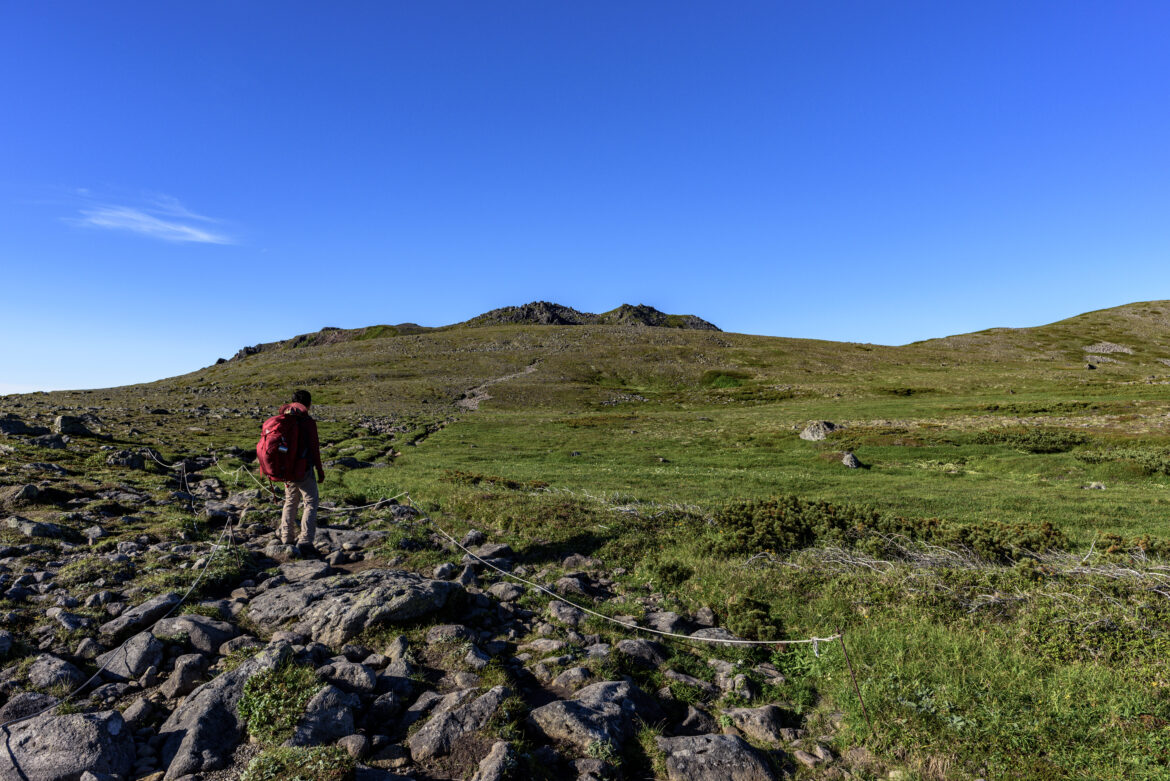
(472, 398)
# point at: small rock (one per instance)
(449, 633)
(473, 538)
(357, 746)
(644, 653)
(805, 758)
(572, 679)
(566, 613)
(498, 764)
(506, 592)
(696, 722)
(189, 669)
(328, 716)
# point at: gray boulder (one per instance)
(600, 713)
(350, 677)
(70, 426)
(668, 621)
(64, 748)
(713, 758)
(10, 424)
(130, 660)
(34, 528)
(445, 727)
(201, 734)
(851, 461)
(49, 671)
(203, 634)
(126, 458)
(818, 430)
(334, 610)
(762, 724)
(26, 704)
(140, 616)
(328, 716)
(306, 569)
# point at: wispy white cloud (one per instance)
(159, 216)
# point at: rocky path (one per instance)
(475, 396)
(447, 671)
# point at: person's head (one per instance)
(303, 397)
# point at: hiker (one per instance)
(302, 488)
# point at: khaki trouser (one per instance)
(294, 494)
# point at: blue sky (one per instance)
(180, 179)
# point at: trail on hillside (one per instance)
(472, 398)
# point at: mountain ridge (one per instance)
(533, 313)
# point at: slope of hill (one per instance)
(1007, 509)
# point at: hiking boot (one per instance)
(307, 550)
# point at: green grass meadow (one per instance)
(998, 565)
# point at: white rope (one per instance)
(726, 641)
(211, 556)
(347, 508)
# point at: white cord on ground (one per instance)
(813, 641)
(211, 556)
(347, 509)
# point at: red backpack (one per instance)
(277, 449)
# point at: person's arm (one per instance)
(315, 451)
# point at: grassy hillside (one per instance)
(996, 563)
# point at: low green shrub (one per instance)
(1149, 461)
(274, 700)
(1033, 440)
(315, 763)
(473, 478)
(789, 523)
(723, 378)
(671, 574)
(752, 619)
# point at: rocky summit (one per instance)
(547, 313)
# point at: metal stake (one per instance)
(856, 688)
